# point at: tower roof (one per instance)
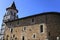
(12, 7)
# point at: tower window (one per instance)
(24, 28)
(41, 28)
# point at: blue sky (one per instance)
(29, 7)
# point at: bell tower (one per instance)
(11, 13)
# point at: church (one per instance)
(42, 26)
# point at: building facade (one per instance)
(43, 26)
(2, 31)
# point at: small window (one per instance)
(24, 28)
(13, 36)
(32, 20)
(34, 36)
(11, 30)
(41, 28)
